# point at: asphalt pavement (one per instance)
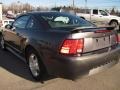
(14, 75)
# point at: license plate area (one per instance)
(101, 42)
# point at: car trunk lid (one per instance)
(95, 38)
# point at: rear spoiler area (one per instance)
(93, 29)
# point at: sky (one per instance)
(79, 3)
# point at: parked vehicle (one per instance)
(100, 17)
(7, 21)
(61, 44)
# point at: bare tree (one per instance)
(113, 11)
(17, 7)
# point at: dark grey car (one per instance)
(61, 44)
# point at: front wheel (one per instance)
(2, 43)
(35, 64)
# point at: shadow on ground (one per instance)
(16, 66)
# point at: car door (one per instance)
(99, 17)
(104, 17)
(95, 16)
(15, 35)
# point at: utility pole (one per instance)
(55, 4)
(73, 7)
(73, 3)
(85, 6)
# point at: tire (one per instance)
(35, 65)
(115, 24)
(2, 43)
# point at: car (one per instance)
(61, 44)
(7, 21)
(100, 17)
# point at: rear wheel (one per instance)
(115, 24)
(35, 64)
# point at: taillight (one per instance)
(117, 39)
(72, 46)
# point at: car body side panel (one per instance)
(44, 46)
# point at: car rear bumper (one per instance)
(74, 67)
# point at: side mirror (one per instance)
(8, 26)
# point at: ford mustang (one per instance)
(61, 44)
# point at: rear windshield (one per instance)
(65, 20)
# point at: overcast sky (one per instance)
(78, 3)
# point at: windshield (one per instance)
(65, 20)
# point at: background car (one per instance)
(7, 21)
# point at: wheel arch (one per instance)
(28, 47)
(82, 17)
(113, 20)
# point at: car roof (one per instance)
(46, 13)
(42, 12)
(35, 13)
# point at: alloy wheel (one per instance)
(34, 65)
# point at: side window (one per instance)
(62, 19)
(32, 24)
(21, 22)
(5, 22)
(103, 13)
(87, 11)
(95, 11)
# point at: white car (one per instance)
(7, 21)
(100, 17)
